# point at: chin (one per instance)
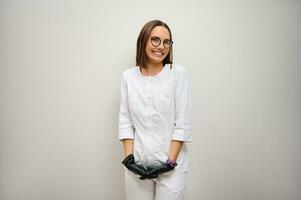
(156, 60)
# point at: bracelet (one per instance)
(173, 163)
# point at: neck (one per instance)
(152, 69)
(154, 65)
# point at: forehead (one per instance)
(161, 32)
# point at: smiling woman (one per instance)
(155, 119)
(156, 50)
(150, 51)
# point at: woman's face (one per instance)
(157, 45)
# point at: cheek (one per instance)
(148, 50)
(148, 47)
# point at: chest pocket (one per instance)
(164, 102)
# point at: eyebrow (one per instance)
(159, 37)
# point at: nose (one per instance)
(161, 46)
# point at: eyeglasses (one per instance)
(156, 41)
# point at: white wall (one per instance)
(61, 63)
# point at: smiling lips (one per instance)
(158, 53)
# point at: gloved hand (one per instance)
(163, 168)
(129, 163)
(148, 175)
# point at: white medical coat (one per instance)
(154, 110)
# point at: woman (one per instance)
(155, 119)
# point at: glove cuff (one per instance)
(129, 159)
(172, 163)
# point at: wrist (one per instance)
(172, 163)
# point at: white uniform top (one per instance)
(153, 111)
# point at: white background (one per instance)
(61, 64)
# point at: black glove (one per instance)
(129, 163)
(148, 175)
(156, 171)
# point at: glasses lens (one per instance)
(167, 43)
(155, 41)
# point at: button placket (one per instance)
(148, 99)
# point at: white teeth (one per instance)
(158, 53)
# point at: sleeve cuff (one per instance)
(182, 136)
(126, 135)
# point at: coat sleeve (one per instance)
(126, 129)
(183, 111)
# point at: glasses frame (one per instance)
(164, 44)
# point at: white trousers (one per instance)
(168, 186)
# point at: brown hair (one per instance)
(141, 58)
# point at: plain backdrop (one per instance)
(61, 64)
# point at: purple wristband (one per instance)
(173, 163)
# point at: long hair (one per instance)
(141, 57)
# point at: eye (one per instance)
(155, 41)
(167, 43)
